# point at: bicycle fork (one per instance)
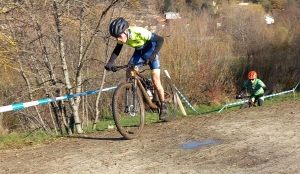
(131, 108)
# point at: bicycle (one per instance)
(249, 103)
(130, 98)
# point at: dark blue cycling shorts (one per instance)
(141, 55)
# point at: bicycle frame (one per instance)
(135, 79)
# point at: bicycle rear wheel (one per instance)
(128, 119)
(170, 97)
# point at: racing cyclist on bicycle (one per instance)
(147, 45)
(256, 88)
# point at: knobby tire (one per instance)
(170, 97)
(245, 105)
(129, 123)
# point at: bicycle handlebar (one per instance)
(130, 65)
(247, 96)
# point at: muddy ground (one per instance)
(257, 140)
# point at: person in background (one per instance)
(255, 87)
(147, 46)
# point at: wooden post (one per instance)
(294, 94)
(178, 99)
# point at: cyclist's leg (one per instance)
(155, 69)
(155, 75)
(143, 55)
(136, 58)
(260, 101)
(252, 100)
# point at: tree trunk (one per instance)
(73, 103)
(31, 97)
(1, 121)
(104, 73)
(47, 64)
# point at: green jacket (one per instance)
(256, 88)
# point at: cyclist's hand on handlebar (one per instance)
(108, 66)
(239, 97)
(114, 69)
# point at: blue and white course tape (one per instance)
(267, 96)
(185, 100)
(18, 106)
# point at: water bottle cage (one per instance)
(149, 93)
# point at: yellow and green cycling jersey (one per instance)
(137, 37)
(146, 44)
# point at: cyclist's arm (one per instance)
(159, 42)
(264, 87)
(115, 53)
(266, 90)
(242, 91)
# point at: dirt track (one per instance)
(259, 140)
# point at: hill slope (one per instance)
(258, 140)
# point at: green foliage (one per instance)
(104, 125)
(20, 140)
(282, 98)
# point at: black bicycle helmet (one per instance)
(118, 26)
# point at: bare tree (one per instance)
(74, 103)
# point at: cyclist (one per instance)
(147, 45)
(256, 88)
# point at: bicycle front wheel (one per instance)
(170, 97)
(128, 116)
(245, 105)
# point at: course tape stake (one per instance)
(186, 101)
